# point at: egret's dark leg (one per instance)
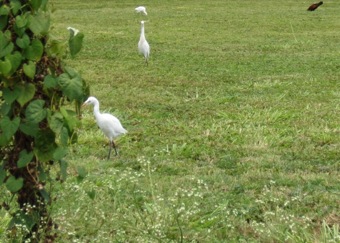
(108, 156)
(114, 147)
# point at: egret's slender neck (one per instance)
(96, 111)
(142, 35)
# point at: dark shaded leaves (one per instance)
(45, 145)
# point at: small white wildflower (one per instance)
(235, 212)
(286, 203)
(259, 201)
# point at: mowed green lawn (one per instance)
(234, 130)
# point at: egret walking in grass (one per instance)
(109, 124)
(141, 9)
(143, 45)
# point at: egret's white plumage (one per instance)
(141, 9)
(143, 45)
(73, 30)
(109, 124)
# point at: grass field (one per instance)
(234, 132)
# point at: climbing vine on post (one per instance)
(35, 125)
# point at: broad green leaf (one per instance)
(15, 60)
(70, 118)
(39, 24)
(23, 42)
(5, 67)
(72, 86)
(27, 92)
(50, 82)
(8, 35)
(13, 184)
(4, 10)
(29, 69)
(34, 51)
(3, 140)
(19, 31)
(20, 21)
(75, 43)
(36, 4)
(15, 5)
(44, 5)
(24, 158)
(71, 72)
(29, 128)
(60, 153)
(44, 145)
(10, 95)
(2, 175)
(6, 46)
(5, 108)
(35, 111)
(9, 127)
(56, 122)
(56, 48)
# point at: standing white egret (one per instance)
(143, 45)
(109, 124)
(141, 9)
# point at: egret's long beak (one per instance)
(84, 104)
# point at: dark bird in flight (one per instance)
(314, 6)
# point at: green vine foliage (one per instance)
(36, 121)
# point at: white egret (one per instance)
(109, 124)
(141, 9)
(143, 45)
(73, 30)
